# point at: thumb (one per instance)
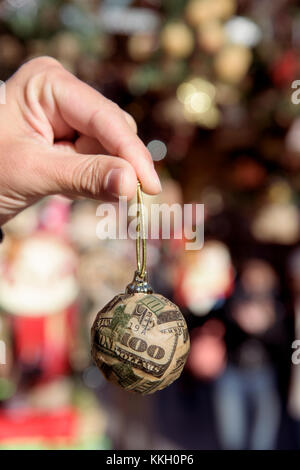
(94, 176)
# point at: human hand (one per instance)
(60, 136)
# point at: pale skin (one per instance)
(60, 136)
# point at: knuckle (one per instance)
(47, 61)
(111, 108)
(87, 177)
(131, 121)
(114, 107)
(41, 63)
(94, 120)
(127, 145)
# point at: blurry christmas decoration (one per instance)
(277, 221)
(198, 98)
(158, 150)
(177, 40)
(66, 47)
(78, 18)
(82, 229)
(232, 63)
(211, 36)
(38, 276)
(43, 344)
(201, 11)
(245, 173)
(117, 19)
(50, 395)
(37, 428)
(285, 69)
(291, 156)
(243, 31)
(255, 315)
(39, 289)
(258, 278)
(38, 424)
(106, 267)
(21, 15)
(11, 51)
(207, 357)
(54, 217)
(25, 223)
(140, 339)
(205, 278)
(7, 388)
(141, 46)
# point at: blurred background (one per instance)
(211, 84)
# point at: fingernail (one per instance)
(156, 180)
(113, 181)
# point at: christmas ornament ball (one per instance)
(140, 341)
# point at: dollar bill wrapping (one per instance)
(140, 341)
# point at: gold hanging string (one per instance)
(141, 233)
(140, 283)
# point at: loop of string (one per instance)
(141, 234)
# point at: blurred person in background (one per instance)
(246, 396)
(184, 412)
(293, 268)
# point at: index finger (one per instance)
(89, 112)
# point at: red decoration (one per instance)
(285, 69)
